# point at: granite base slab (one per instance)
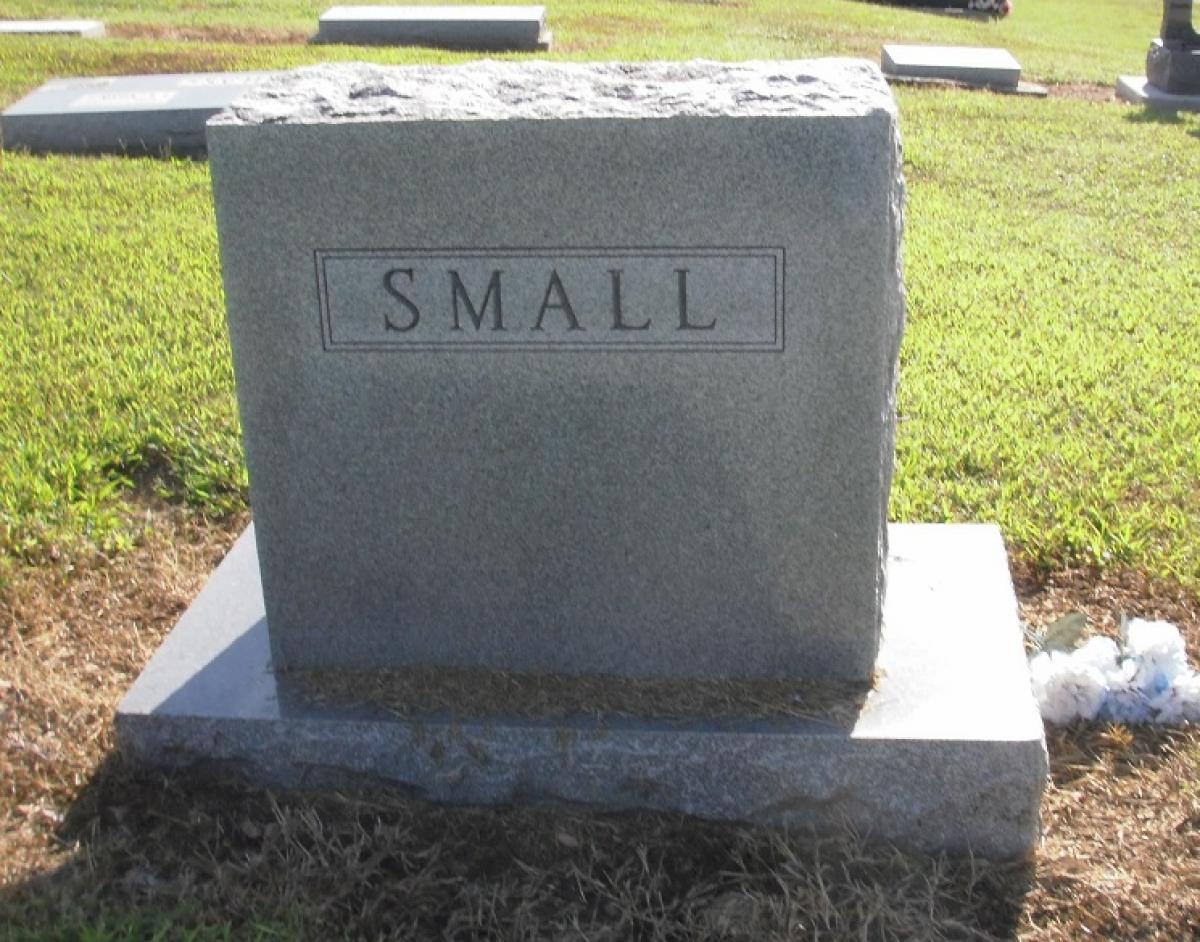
(946, 753)
(1138, 90)
(86, 29)
(972, 65)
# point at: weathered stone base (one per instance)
(1137, 89)
(947, 752)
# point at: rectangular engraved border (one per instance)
(776, 253)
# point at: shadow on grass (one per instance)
(1164, 117)
(380, 864)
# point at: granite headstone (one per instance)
(629, 413)
(128, 114)
(971, 65)
(494, 28)
(561, 377)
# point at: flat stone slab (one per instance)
(1138, 90)
(88, 29)
(971, 65)
(946, 753)
(1025, 89)
(494, 28)
(130, 114)
(586, 368)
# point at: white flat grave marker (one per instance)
(467, 27)
(140, 114)
(1138, 90)
(88, 29)
(974, 65)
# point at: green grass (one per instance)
(116, 366)
(1051, 368)
(1055, 40)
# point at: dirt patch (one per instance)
(1103, 598)
(198, 59)
(82, 835)
(1120, 854)
(237, 35)
(1083, 91)
(72, 639)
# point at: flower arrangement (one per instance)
(998, 8)
(1143, 679)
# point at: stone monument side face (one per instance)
(583, 369)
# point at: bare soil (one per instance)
(241, 35)
(1083, 91)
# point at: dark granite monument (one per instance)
(1173, 62)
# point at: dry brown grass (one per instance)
(1083, 91)
(72, 639)
(468, 693)
(242, 35)
(84, 835)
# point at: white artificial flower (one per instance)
(1125, 704)
(1149, 681)
(1189, 697)
(1066, 689)
(1101, 653)
(1158, 647)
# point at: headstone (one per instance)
(1173, 62)
(972, 65)
(88, 29)
(133, 114)
(455, 27)
(683, 477)
(588, 371)
(946, 754)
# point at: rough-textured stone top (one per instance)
(497, 91)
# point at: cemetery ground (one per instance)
(1050, 378)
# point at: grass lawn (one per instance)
(1055, 40)
(1050, 382)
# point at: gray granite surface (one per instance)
(972, 65)
(608, 392)
(460, 26)
(87, 29)
(127, 114)
(1138, 90)
(1174, 67)
(946, 753)
(346, 93)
